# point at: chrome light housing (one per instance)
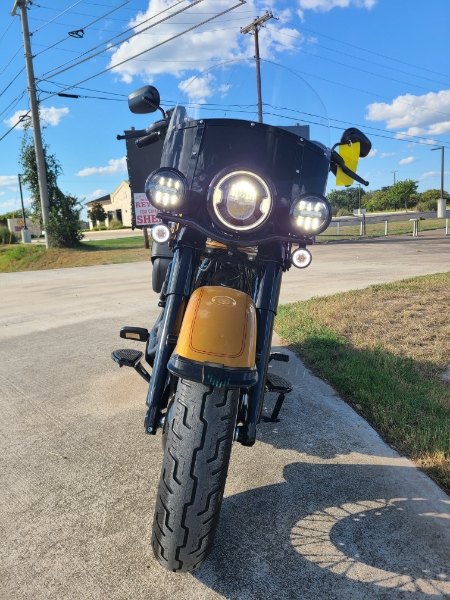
(240, 201)
(166, 189)
(310, 214)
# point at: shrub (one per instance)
(6, 237)
(342, 212)
(115, 224)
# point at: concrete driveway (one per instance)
(320, 507)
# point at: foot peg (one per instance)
(275, 383)
(130, 358)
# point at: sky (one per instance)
(380, 65)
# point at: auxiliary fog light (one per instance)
(160, 234)
(301, 258)
(166, 189)
(311, 214)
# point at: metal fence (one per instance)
(338, 224)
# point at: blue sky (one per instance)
(380, 64)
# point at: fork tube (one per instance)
(266, 302)
(178, 290)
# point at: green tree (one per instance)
(97, 213)
(346, 199)
(403, 194)
(64, 225)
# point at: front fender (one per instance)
(217, 340)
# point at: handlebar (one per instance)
(147, 140)
(138, 133)
(339, 161)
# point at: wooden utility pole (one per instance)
(254, 28)
(34, 109)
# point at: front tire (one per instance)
(193, 475)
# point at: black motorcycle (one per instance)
(240, 201)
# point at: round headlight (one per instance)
(311, 214)
(240, 201)
(166, 189)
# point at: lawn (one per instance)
(384, 349)
(35, 257)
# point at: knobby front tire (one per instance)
(193, 475)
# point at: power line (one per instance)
(16, 101)
(85, 26)
(12, 81)
(56, 17)
(365, 50)
(12, 58)
(7, 29)
(358, 57)
(364, 91)
(241, 2)
(116, 36)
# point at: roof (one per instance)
(106, 198)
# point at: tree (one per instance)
(403, 193)
(97, 213)
(64, 225)
(347, 199)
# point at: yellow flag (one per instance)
(350, 154)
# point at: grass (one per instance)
(35, 257)
(377, 229)
(383, 349)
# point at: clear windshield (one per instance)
(229, 91)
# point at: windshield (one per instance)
(229, 91)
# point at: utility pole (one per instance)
(394, 175)
(442, 202)
(254, 28)
(34, 109)
(26, 236)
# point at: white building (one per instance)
(117, 205)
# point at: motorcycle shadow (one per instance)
(327, 531)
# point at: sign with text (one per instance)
(144, 212)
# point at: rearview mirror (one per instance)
(354, 135)
(144, 100)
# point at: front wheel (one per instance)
(193, 475)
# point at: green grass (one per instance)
(34, 257)
(377, 229)
(389, 373)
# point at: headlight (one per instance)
(311, 214)
(240, 201)
(166, 189)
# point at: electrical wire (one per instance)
(152, 48)
(16, 101)
(357, 57)
(56, 17)
(12, 81)
(85, 27)
(369, 51)
(7, 29)
(12, 58)
(43, 77)
(22, 118)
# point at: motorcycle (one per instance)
(240, 195)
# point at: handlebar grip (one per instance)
(148, 139)
(132, 134)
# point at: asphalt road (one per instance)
(320, 507)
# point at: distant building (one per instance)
(117, 205)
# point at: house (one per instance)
(117, 205)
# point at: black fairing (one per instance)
(290, 164)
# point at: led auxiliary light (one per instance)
(311, 214)
(239, 201)
(301, 258)
(160, 234)
(166, 189)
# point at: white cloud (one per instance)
(372, 153)
(433, 174)
(428, 114)
(198, 50)
(407, 161)
(326, 5)
(117, 165)
(9, 181)
(198, 88)
(97, 194)
(49, 116)
(2, 193)
(386, 154)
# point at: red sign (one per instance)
(144, 212)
